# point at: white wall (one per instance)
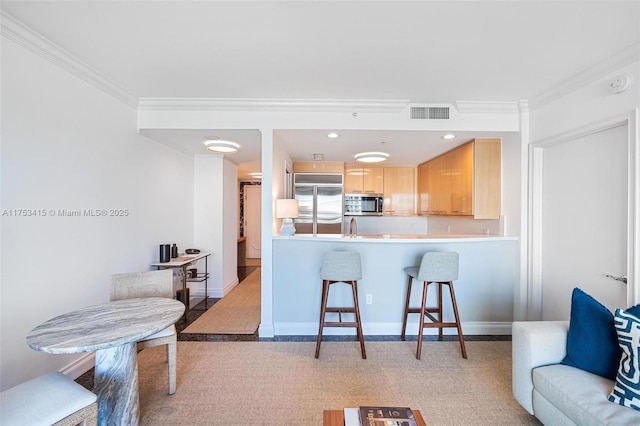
(215, 221)
(230, 206)
(583, 107)
(511, 184)
(280, 157)
(67, 145)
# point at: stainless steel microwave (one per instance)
(363, 204)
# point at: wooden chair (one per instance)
(340, 267)
(440, 268)
(51, 399)
(150, 284)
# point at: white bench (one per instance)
(52, 399)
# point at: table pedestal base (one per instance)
(116, 384)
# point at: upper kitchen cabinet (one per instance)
(363, 179)
(399, 190)
(487, 184)
(464, 181)
(423, 188)
(318, 167)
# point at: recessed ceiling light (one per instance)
(448, 136)
(222, 147)
(333, 135)
(371, 157)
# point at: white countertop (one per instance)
(401, 238)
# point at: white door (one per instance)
(252, 220)
(584, 220)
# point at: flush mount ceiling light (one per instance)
(448, 136)
(333, 135)
(222, 147)
(371, 157)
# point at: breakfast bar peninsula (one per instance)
(488, 276)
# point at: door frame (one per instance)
(535, 196)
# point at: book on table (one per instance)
(380, 416)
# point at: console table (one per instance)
(336, 418)
(183, 262)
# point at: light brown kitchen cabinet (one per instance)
(464, 181)
(487, 184)
(359, 179)
(399, 190)
(318, 167)
(423, 188)
(461, 180)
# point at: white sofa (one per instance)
(555, 393)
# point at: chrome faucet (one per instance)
(353, 227)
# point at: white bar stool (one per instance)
(440, 268)
(340, 267)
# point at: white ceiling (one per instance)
(419, 51)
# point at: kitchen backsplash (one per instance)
(465, 225)
(424, 225)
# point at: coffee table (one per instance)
(336, 418)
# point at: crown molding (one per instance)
(16, 31)
(612, 64)
(290, 105)
(487, 107)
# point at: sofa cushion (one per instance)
(581, 396)
(592, 342)
(627, 386)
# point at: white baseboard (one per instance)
(213, 293)
(80, 366)
(390, 329)
(229, 286)
(266, 330)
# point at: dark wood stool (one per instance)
(340, 267)
(435, 268)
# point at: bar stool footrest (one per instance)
(341, 324)
(341, 310)
(439, 325)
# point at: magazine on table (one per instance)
(379, 416)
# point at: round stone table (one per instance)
(111, 330)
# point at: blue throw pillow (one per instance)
(627, 388)
(592, 342)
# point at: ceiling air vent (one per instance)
(429, 113)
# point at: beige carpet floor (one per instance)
(281, 383)
(236, 313)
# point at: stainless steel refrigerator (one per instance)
(320, 203)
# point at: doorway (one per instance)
(253, 223)
(582, 218)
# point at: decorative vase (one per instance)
(165, 253)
